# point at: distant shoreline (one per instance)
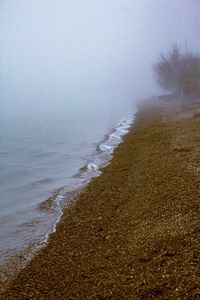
(134, 231)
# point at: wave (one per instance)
(42, 155)
(48, 205)
(34, 184)
(104, 150)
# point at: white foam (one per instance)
(115, 138)
(92, 167)
(104, 147)
(114, 135)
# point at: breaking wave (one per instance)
(104, 150)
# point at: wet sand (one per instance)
(134, 232)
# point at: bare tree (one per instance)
(177, 72)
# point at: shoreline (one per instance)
(133, 232)
(61, 198)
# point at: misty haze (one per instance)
(73, 75)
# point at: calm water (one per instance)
(42, 158)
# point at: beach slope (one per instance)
(134, 232)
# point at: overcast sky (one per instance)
(94, 51)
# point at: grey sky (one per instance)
(93, 51)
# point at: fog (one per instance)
(84, 55)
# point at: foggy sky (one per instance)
(87, 52)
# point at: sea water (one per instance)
(43, 163)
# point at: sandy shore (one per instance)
(134, 232)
